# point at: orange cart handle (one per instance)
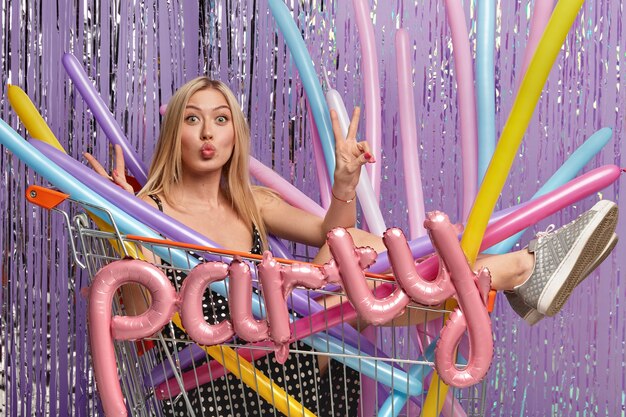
(45, 197)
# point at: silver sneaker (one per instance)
(563, 257)
(531, 315)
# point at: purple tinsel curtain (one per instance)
(139, 52)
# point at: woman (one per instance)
(199, 176)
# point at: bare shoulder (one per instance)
(265, 197)
(149, 200)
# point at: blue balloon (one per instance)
(373, 368)
(311, 83)
(485, 84)
(396, 401)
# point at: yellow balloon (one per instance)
(526, 100)
(30, 117)
(433, 403)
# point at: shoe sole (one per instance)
(533, 317)
(584, 252)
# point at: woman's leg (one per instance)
(507, 271)
(360, 238)
(544, 275)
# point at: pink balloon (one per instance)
(103, 329)
(421, 290)
(471, 292)
(239, 296)
(542, 10)
(304, 275)
(408, 134)
(277, 282)
(290, 193)
(371, 85)
(575, 190)
(191, 313)
(348, 262)
(275, 304)
(455, 278)
(466, 101)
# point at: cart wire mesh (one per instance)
(169, 374)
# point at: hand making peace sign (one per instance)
(350, 156)
(119, 172)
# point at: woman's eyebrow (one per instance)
(223, 106)
(192, 106)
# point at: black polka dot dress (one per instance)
(335, 392)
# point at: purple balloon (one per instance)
(103, 115)
(126, 201)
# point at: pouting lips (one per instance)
(207, 150)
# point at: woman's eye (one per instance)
(222, 119)
(192, 119)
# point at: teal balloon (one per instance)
(312, 87)
(373, 368)
(485, 84)
(418, 372)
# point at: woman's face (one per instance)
(207, 134)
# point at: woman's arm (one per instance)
(291, 223)
(135, 297)
(350, 156)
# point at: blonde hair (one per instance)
(166, 168)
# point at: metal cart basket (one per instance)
(169, 374)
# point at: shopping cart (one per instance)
(169, 374)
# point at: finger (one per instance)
(120, 166)
(364, 158)
(336, 128)
(96, 165)
(357, 149)
(119, 173)
(364, 149)
(119, 179)
(124, 186)
(354, 123)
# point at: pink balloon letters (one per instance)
(347, 268)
